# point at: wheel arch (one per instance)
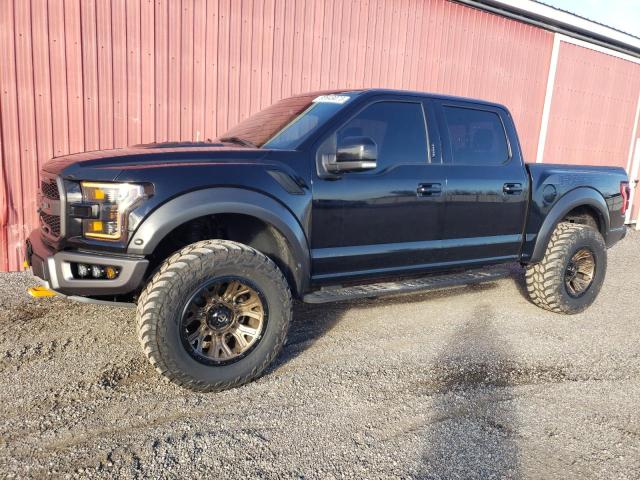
(227, 201)
(585, 198)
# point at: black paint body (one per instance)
(362, 225)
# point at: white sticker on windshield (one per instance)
(340, 99)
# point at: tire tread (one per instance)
(544, 280)
(165, 285)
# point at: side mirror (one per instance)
(353, 154)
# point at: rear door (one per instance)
(487, 186)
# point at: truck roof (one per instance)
(391, 91)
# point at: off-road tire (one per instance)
(161, 303)
(546, 280)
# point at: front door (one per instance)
(386, 220)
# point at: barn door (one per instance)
(633, 214)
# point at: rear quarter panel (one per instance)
(551, 182)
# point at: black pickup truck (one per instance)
(323, 196)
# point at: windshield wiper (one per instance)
(239, 141)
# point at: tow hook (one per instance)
(40, 291)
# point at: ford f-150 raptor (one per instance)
(322, 196)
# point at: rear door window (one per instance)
(476, 137)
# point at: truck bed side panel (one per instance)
(551, 182)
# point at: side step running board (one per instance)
(431, 282)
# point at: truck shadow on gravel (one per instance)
(473, 428)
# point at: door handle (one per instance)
(429, 189)
(512, 188)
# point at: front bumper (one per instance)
(54, 269)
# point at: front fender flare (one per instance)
(210, 201)
(581, 196)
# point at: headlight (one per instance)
(114, 201)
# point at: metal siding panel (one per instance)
(10, 210)
(257, 47)
(41, 81)
(174, 26)
(351, 46)
(361, 52)
(308, 56)
(105, 73)
(134, 102)
(267, 53)
(28, 158)
(119, 74)
(245, 41)
(211, 93)
(73, 54)
(199, 68)
(147, 71)
(594, 98)
(444, 55)
(235, 61)
(58, 75)
(416, 37)
(223, 66)
(336, 44)
(4, 207)
(287, 51)
(327, 39)
(13, 218)
(161, 87)
(90, 75)
(345, 56)
(402, 56)
(369, 54)
(383, 48)
(186, 70)
(315, 58)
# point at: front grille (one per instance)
(50, 224)
(50, 207)
(49, 189)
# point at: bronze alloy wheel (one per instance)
(580, 272)
(223, 321)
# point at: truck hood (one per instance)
(107, 164)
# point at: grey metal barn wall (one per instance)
(97, 74)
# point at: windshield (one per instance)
(286, 124)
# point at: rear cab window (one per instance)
(475, 136)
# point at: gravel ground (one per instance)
(464, 383)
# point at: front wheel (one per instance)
(214, 316)
(570, 275)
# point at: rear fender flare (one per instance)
(211, 201)
(581, 196)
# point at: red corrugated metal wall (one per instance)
(93, 74)
(594, 97)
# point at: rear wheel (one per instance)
(570, 275)
(214, 316)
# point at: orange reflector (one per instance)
(40, 291)
(110, 272)
(95, 225)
